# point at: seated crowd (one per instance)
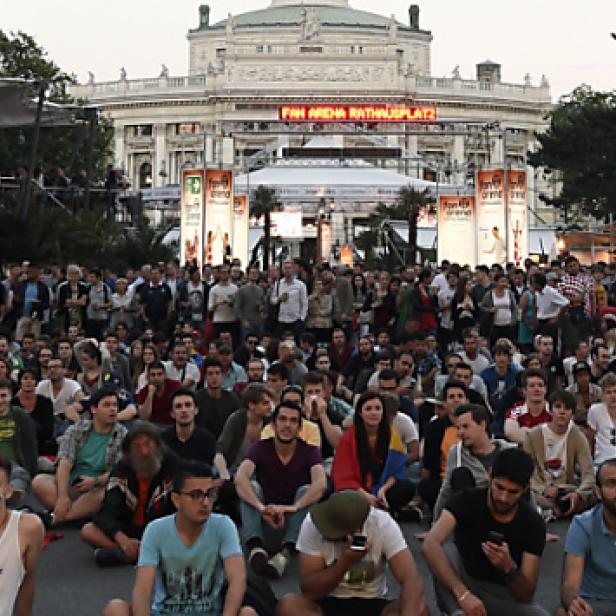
(211, 426)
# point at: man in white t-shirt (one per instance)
(338, 577)
(602, 421)
(181, 368)
(221, 303)
(64, 394)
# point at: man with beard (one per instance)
(590, 555)
(137, 493)
(492, 565)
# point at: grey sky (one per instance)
(568, 40)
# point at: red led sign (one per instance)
(356, 113)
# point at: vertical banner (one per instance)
(218, 216)
(491, 247)
(457, 238)
(191, 217)
(518, 217)
(326, 241)
(240, 229)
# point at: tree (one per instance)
(262, 206)
(66, 146)
(407, 207)
(581, 144)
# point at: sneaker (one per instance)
(276, 566)
(46, 518)
(258, 560)
(104, 557)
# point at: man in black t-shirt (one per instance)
(492, 565)
(185, 439)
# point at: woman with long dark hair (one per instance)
(463, 307)
(371, 458)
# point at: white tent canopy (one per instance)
(336, 182)
(18, 106)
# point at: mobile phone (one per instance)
(495, 537)
(76, 481)
(359, 542)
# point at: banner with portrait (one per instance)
(239, 248)
(218, 216)
(491, 246)
(518, 217)
(191, 217)
(457, 237)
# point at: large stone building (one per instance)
(243, 68)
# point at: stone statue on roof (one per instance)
(230, 29)
(456, 72)
(90, 77)
(164, 71)
(392, 29)
(122, 74)
(310, 24)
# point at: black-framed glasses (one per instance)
(198, 496)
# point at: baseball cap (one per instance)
(340, 515)
(112, 379)
(580, 366)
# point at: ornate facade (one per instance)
(243, 68)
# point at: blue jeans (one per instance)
(252, 522)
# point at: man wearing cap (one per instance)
(232, 372)
(584, 392)
(337, 579)
(127, 409)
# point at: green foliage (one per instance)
(581, 144)
(88, 238)
(407, 207)
(262, 205)
(21, 56)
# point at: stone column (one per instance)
(458, 157)
(160, 152)
(119, 154)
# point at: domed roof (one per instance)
(289, 13)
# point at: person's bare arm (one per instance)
(142, 591)
(243, 486)
(31, 531)
(439, 565)
(318, 485)
(130, 412)
(221, 466)
(317, 580)
(412, 596)
(573, 570)
(145, 409)
(412, 450)
(513, 431)
(235, 572)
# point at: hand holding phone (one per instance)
(359, 542)
(496, 537)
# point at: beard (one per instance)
(609, 505)
(149, 467)
(500, 509)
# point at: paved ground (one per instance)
(70, 583)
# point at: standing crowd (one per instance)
(209, 425)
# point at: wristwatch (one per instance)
(97, 483)
(513, 574)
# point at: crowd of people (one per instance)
(211, 424)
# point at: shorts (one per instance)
(333, 606)
(20, 478)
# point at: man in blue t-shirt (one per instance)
(590, 554)
(186, 558)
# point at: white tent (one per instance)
(362, 182)
(18, 106)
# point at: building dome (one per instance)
(336, 13)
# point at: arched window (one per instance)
(145, 175)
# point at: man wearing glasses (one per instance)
(187, 559)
